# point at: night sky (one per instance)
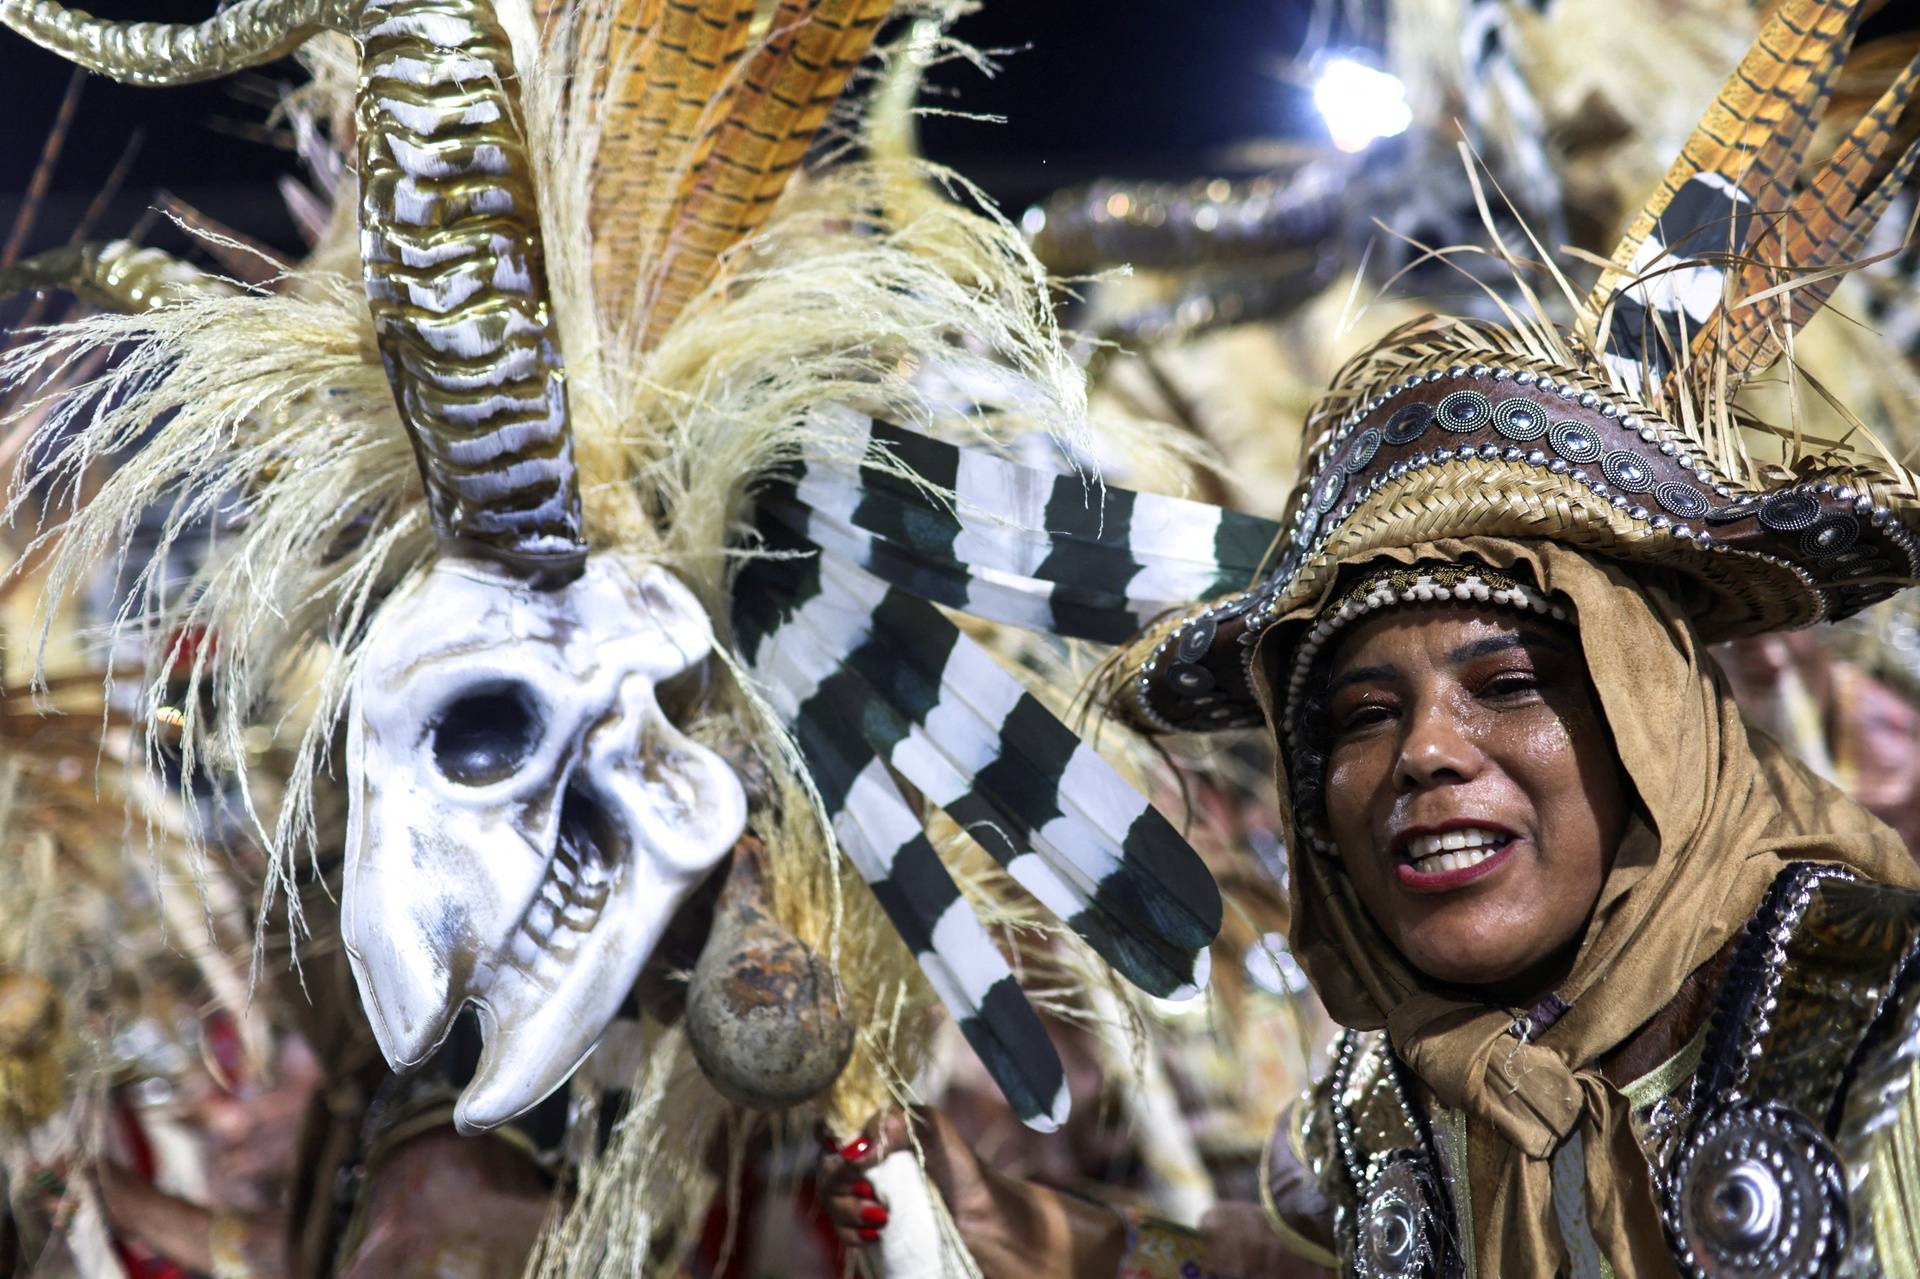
(1088, 89)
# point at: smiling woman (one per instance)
(1533, 827)
(1628, 990)
(1471, 788)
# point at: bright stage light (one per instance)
(1360, 104)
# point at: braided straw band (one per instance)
(1396, 586)
(1480, 450)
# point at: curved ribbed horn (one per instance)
(118, 275)
(450, 238)
(166, 53)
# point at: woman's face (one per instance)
(1472, 790)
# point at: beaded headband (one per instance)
(1395, 587)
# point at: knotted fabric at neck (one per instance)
(1720, 812)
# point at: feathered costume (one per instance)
(610, 378)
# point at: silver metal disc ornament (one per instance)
(1400, 1233)
(1757, 1191)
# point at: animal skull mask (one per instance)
(525, 819)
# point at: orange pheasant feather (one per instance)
(1703, 279)
(1824, 227)
(790, 83)
(681, 60)
(1756, 131)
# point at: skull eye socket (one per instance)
(484, 736)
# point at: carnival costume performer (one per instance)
(1630, 991)
(577, 394)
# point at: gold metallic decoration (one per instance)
(455, 274)
(116, 276)
(1156, 225)
(155, 54)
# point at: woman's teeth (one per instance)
(1454, 849)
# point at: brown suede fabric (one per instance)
(1722, 811)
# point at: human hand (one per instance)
(1011, 1227)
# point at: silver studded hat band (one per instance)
(1513, 447)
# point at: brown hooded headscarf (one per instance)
(1721, 811)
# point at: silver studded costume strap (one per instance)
(1755, 1188)
(1402, 1223)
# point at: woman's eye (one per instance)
(1512, 684)
(1364, 716)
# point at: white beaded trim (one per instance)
(1424, 589)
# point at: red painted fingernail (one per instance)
(869, 1234)
(864, 1189)
(873, 1215)
(855, 1149)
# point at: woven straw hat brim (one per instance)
(1503, 450)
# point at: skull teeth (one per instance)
(580, 880)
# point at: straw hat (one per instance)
(1620, 435)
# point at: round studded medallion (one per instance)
(1859, 597)
(1408, 423)
(1829, 535)
(1627, 471)
(1869, 566)
(1401, 1228)
(1789, 512)
(1520, 419)
(1756, 1191)
(1328, 494)
(1197, 639)
(1361, 451)
(1190, 680)
(1577, 442)
(1683, 500)
(1464, 411)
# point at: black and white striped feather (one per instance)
(1681, 272)
(883, 836)
(1016, 544)
(882, 690)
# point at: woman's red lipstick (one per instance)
(1444, 881)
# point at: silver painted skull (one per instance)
(524, 818)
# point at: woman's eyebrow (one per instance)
(1359, 675)
(1515, 639)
